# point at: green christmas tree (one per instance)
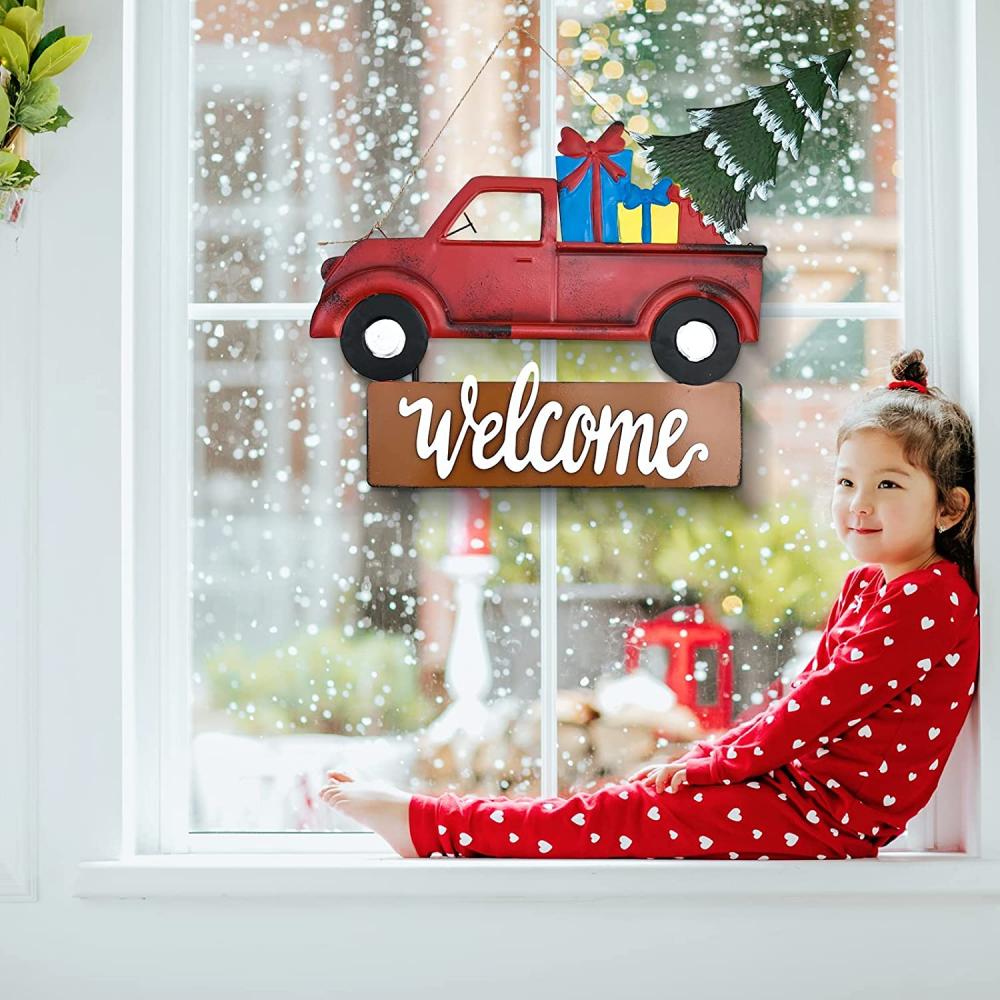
(733, 155)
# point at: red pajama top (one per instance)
(867, 727)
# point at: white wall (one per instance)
(58, 946)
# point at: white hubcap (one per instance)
(696, 340)
(385, 338)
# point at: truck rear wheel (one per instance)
(384, 338)
(695, 341)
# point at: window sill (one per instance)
(385, 875)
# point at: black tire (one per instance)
(663, 341)
(357, 352)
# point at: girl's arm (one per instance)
(704, 748)
(901, 637)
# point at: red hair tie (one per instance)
(907, 384)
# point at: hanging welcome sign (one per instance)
(534, 433)
(610, 260)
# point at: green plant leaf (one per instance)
(27, 23)
(59, 56)
(13, 54)
(23, 174)
(39, 5)
(6, 5)
(37, 104)
(50, 39)
(59, 120)
(8, 162)
(4, 113)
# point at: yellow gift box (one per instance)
(663, 222)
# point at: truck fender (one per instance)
(727, 297)
(335, 303)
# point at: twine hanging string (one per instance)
(377, 225)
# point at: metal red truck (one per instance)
(385, 297)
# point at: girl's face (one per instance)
(884, 509)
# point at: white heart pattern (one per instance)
(513, 837)
(705, 842)
(856, 654)
(865, 689)
(793, 705)
(623, 794)
(798, 743)
(926, 623)
(544, 847)
(579, 819)
(791, 839)
(624, 842)
(892, 684)
(888, 800)
(497, 815)
(909, 588)
(914, 698)
(812, 816)
(954, 598)
(757, 834)
(865, 731)
(925, 663)
(464, 839)
(654, 813)
(888, 640)
(934, 732)
(595, 837)
(735, 815)
(824, 700)
(953, 658)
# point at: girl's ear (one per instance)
(955, 507)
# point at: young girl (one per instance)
(839, 765)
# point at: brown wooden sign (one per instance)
(532, 433)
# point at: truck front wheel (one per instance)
(695, 341)
(384, 338)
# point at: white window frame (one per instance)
(947, 94)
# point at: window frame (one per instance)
(157, 744)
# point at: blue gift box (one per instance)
(575, 216)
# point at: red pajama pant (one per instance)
(752, 820)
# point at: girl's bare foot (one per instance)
(384, 810)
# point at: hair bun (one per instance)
(909, 366)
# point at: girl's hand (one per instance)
(660, 775)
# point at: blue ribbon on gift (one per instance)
(646, 198)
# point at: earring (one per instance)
(940, 528)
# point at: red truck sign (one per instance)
(385, 297)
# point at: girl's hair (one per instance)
(936, 435)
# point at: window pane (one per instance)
(831, 224)
(308, 116)
(325, 611)
(648, 579)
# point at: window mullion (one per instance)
(548, 566)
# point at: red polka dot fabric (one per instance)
(833, 770)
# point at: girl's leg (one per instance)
(630, 820)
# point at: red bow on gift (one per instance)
(595, 155)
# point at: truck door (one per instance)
(494, 262)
